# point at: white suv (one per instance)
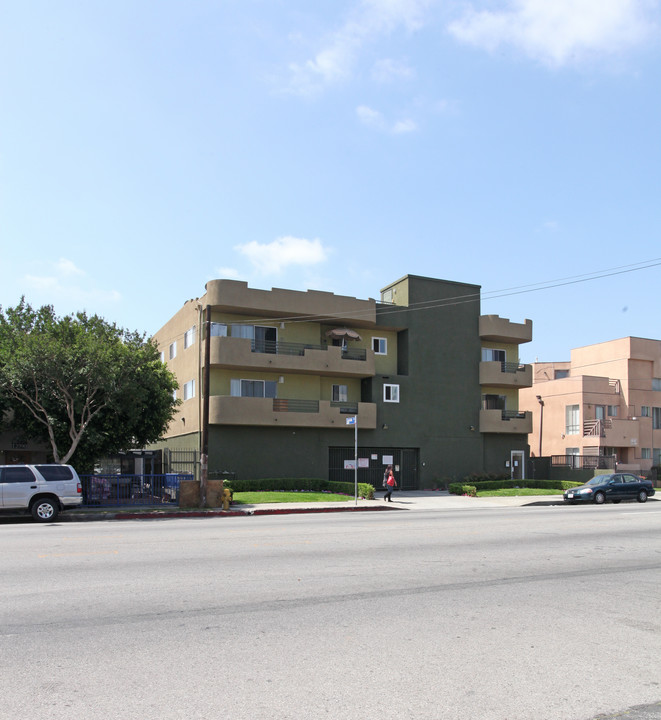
(42, 490)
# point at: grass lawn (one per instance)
(517, 492)
(256, 498)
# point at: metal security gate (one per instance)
(372, 462)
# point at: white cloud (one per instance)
(387, 70)
(272, 258)
(374, 119)
(67, 267)
(63, 285)
(558, 32)
(228, 273)
(335, 61)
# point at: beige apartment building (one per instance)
(433, 385)
(601, 408)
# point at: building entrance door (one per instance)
(517, 458)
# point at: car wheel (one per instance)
(615, 502)
(599, 498)
(642, 496)
(45, 510)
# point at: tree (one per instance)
(81, 384)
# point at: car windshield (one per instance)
(599, 480)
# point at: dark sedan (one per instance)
(614, 487)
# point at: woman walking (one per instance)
(389, 483)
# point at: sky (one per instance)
(149, 147)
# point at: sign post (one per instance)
(354, 421)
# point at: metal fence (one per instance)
(131, 490)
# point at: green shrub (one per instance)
(457, 488)
(462, 489)
(300, 484)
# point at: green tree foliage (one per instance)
(81, 384)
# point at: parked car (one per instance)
(42, 490)
(614, 487)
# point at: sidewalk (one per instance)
(408, 501)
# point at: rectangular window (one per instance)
(161, 355)
(645, 411)
(656, 418)
(656, 456)
(218, 329)
(492, 355)
(380, 346)
(253, 388)
(560, 374)
(189, 337)
(613, 410)
(340, 393)
(656, 383)
(494, 402)
(571, 420)
(646, 453)
(173, 350)
(391, 393)
(174, 394)
(189, 390)
(599, 412)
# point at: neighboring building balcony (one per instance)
(243, 353)
(505, 374)
(505, 421)
(612, 432)
(283, 412)
(497, 329)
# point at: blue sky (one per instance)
(147, 147)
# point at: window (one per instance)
(380, 346)
(340, 393)
(494, 402)
(646, 453)
(599, 412)
(189, 390)
(656, 383)
(18, 473)
(161, 356)
(173, 350)
(189, 337)
(55, 473)
(645, 411)
(218, 329)
(174, 394)
(571, 420)
(264, 338)
(253, 388)
(612, 410)
(560, 374)
(391, 393)
(656, 418)
(656, 456)
(492, 355)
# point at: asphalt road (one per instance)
(526, 613)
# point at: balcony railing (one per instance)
(513, 414)
(303, 406)
(510, 367)
(584, 462)
(596, 428)
(276, 347)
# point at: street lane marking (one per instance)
(79, 554)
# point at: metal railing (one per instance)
(510, 367)
(513, 414)
(584, 462)
(596, 428)
(276, 347)
(127, 490)
(304, 406)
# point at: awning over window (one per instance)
(341, 333)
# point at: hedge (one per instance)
(458, 488)
(299, 484)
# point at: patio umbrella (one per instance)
(343, 333)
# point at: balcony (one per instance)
(497, 329)
(613, 432)
(283, 412)
(504, 374)
(281, 357)
(506, 421)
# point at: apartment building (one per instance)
(433, 385)
(600, 408)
